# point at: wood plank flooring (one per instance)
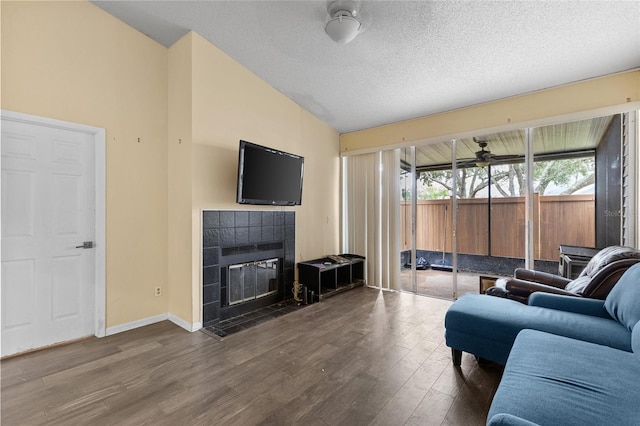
(360, 358)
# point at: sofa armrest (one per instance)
(525, 288)
(579, 305)
(509, 419)
(541, 277)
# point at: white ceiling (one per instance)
(412, 58)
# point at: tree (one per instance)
(509, 179)
(469, 182)
(406, 194)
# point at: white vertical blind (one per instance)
(390, 219)
(359, 174)
(629, 178)
(371, 210)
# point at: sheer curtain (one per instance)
(371, 214)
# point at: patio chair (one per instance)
(595, 281)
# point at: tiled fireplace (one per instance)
(248, 260)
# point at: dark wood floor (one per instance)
(360, 358)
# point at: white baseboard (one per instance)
(152, 320)
(185, 324)
(135, 324)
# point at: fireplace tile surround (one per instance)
(234, 236)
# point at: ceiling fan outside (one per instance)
(484, 157)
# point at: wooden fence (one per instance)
(558, 219)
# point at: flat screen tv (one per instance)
(268, 176)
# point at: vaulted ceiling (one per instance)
(412, 58)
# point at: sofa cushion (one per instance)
(583, 305)
(623, 302)
(552, 379)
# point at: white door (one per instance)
(48, 213)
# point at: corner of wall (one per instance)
(179, 182)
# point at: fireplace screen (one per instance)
(249, 281)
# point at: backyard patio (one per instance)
(438, 284)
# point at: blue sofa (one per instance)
(487, 326)
(569, 361)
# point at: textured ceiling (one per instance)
(412, 58)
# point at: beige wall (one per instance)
(179, 183)
(246, 107)
(71, 61)
(189, 105)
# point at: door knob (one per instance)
(86, 245)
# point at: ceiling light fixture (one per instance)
(343, 26)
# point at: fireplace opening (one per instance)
(251, 277)
(252, 280)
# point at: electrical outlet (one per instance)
(158, 291)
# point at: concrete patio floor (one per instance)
(440, 283)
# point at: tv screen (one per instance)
(268, 176)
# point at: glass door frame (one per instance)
(414, 213)
(413, 221)
(454, 219)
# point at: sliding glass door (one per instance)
(432, 222)
(439, 218)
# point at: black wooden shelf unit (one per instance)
(327, 277)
